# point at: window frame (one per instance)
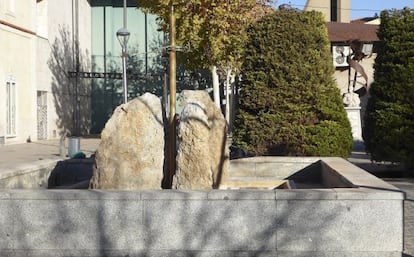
(11, 107)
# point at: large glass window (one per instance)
(145, 65)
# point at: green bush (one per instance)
(289, 102)
(389, 119)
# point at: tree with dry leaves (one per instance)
(212, 32)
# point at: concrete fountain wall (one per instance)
(348, 213)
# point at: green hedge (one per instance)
(289, 102)
(389, 119)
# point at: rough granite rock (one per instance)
(203, 156)
(131, 153)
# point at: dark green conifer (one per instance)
(289, 102)
(389, 119)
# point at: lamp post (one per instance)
(123, 36)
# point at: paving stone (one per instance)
(335, 225)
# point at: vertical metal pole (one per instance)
(104, 89)
(76, 63)
(73, 130)
(124, 75)
(125, 14)
(124, 56)
(146, 42)
(78, 118)
(172, 73)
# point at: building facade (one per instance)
(333, 10)
(38, 44)
(147, 61)
(61, 65)
(17, 72)
(145, 65)
(342, 30)
(61, 62)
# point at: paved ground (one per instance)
(14, 157)
(17, 156)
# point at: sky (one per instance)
(359, 8)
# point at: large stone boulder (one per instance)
(203, 155)
(131, 153)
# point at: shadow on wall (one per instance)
(71, 94)
(128, 226)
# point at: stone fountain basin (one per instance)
(337, 209)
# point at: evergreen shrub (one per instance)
(289, 102)
(389, 119)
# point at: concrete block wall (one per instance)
(27, 176)
(291, 223)
(362, 220)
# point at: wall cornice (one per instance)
(11, 25)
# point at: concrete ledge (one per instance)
(355, 175)
(338, 254)
(364, 219)
(28, 176)
(277, 168)
(160, 253)
(204, 223)
(21, 169)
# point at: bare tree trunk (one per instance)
(216, 86)
(227, 89)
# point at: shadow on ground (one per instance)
(71, 174)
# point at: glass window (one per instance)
(10, 108)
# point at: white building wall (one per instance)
(28, 32)
(63, 27)
(85, 39)
(18, 12)
(17, 42)
(41, 18)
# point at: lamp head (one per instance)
(123, 36)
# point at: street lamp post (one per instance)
(123, 36)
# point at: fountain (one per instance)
(264, 206)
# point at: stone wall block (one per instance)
(71, 224)
(6, 222)
(211, 225)
(332, 225)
